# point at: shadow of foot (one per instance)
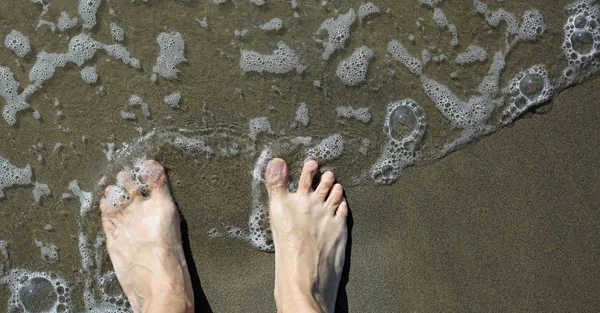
(341, 303)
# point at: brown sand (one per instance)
(510, 224)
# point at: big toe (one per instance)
(276, 177)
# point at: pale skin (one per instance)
(309, 233)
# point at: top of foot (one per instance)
(309, 234)
(144, 240)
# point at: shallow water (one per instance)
(214, 109)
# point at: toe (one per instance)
(342, 210)
(306, 178)
(107, 225)
(276, 177)
(335, 196)
(116, 198)
(327, 180)
(125, 180)
(155, 178)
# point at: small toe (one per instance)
(342, 210)
(276, 177)
(335, 196)
(327, 180)
(306, 178)
(125, 180)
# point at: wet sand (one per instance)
(510, 224)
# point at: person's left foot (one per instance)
(143, 239)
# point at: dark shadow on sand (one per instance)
(201, 304)
(341, 303)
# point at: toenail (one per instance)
(275, 167)
(310, 162)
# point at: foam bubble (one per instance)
(137, 100)
(283, 60)
(49, 251)
(87, 10)
(40, 190)
(36, 292)
(405, 126)
(473, 54)
(273, 24)
(329, 148)
(397, 50)
(117, 32)
(367, 9)
(65, 22)
(352, 70)
(172, 99)
(82, 48)
(259, 125)
(18, 43)
(89, 75)
(11, 175)
(192, 146)
(171, 54)
(527, 89)
(302, 116)
(361, 114)
(338, 31)
(85, 197)
(14, 102)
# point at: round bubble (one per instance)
(111, 286)
(531, 85)
(403, 122)
(580, 21)
(582, 41)
(38, 295)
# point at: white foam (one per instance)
(338, 31)
(352, 70)
(473, 54)
(329, 148)
(11, 175)
(49, 251)
(272, 25)
(18, 43)
(399, 53)
(192, 146)
(259, 125)
(302, 116)
(89, 75)
(85, 197)
(405, 126)
(14, 102)
(171, 54)
(82, 48)
(65, 22)
(137, 100)
(283, 60)
(40, 190)
(117, 32)
(367, 9)
(128, 115)
(87, 10)
(172, 99)
(361, 114)
(119, 52)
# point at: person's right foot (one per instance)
(309, 234)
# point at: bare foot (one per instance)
(309, 233)
(143, 239)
